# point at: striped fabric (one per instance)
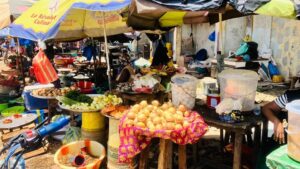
(281, 101)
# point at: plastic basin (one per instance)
(84, 84)
(94, 148)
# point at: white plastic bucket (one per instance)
(184, 89)
(293, 144)
(239, 84)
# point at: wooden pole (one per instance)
(106, 52)
(220, 39)
(21, 62)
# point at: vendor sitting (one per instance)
(273, 111)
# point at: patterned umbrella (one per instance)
(50, 19)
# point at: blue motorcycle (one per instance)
(29, 141)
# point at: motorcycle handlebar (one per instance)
(53, 127)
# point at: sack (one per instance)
(187, 46)
(43, 69)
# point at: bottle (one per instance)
(257, 110)
(220, 62)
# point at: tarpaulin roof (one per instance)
(161, 14)
(13, 8)
(144, 14)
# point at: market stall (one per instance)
(157, 100)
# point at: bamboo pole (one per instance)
(106, 52)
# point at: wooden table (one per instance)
(165, 156)
(240, 129)
(25, 120)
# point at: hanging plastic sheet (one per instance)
(192, 5)
(280, 8)
(247, 6)
(297, 5)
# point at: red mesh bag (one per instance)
(43, 69)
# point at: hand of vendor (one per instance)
(279, 132)
(273, 112)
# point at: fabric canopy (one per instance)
(12, 8)
(161, 14)
(144, 14)
(69, 19)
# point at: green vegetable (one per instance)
(72, 134)
(13, 110)
(66, 100)
(73, 94)
(77, 96)
(84, 99)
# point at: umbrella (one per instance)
(48, 19)
(73, 19)
(11, 9)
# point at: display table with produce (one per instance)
(142, 88)
(145, 121)
(50, 95)
(16, 121)
(93, 122)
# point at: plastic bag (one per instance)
(228, 104)
(273, 70)
(145, 81)
(242, 49)
(280, 8)
(248, 6)
(43, 69)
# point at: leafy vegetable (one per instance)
(73, 94)
(66, 100)
(72, 134)
(77, 96)
(84, 99)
